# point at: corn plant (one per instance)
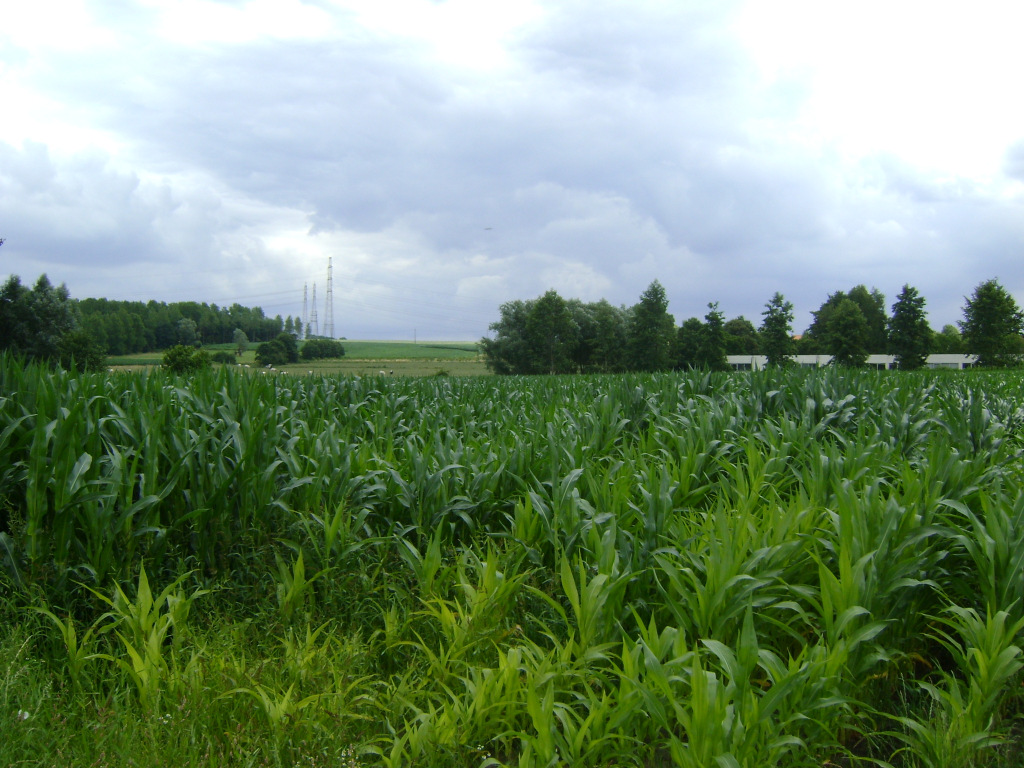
(77, 650)
(143, 626)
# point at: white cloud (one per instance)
(453, 155)
(931, 82)
(203, 22)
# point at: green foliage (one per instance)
(77, 348)
(652, 332)
(507, 353)
(290, 345)
(282, 350)
(992, 326)
(872, 306)
(846, 335)
(777, 331)
(34, 321)
(602, 336)
(188, 333)
(222, 357)
(788, 568)
(321, 349)
(840, 334)
(741, 337)
(689, 338)
(550, 335)
(948, 341)
(271, 353)
(185, 360)
(909, 334)
(702, 345)
(125, 327)
(711, 347)
(240, 341)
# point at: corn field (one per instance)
(796, 568)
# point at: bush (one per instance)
(79, 349)
(271, 353)
(225, 358)
(281, 350)
(321, 349)
(185, 360)
(290, 346)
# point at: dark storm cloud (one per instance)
(617, 144)
(369, 132)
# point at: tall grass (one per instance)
(799, 568)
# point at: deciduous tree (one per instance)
(948, 341)
(992, 326)
(846, 335)
(508, 353)
(240, 340)
(872, 306)
(33, 321)
(551, 335)
(741, 337)
(185, 359)
(688, 339)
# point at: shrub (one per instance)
(271, 353)
(79, 349)
(185, 360)
(290, 346)
(225, 358)
(320, 349)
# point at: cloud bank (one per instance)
(449, 156)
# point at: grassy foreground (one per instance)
(811, 568)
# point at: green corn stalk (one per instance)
(78, 651)
(294, 589)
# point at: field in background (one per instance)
(407, 350)
(362, 358)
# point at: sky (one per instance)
(451, 155)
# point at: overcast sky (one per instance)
(452, 155)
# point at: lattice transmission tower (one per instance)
(314, 329)
(329, 303)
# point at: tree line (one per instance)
(124, 327)
(44, 322)
(553, 335)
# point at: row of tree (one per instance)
(44, 322)
(124, 327)
(555, 335)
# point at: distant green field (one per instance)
(402, 367)
(141, 358)
(407, 350)
(364, 358)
